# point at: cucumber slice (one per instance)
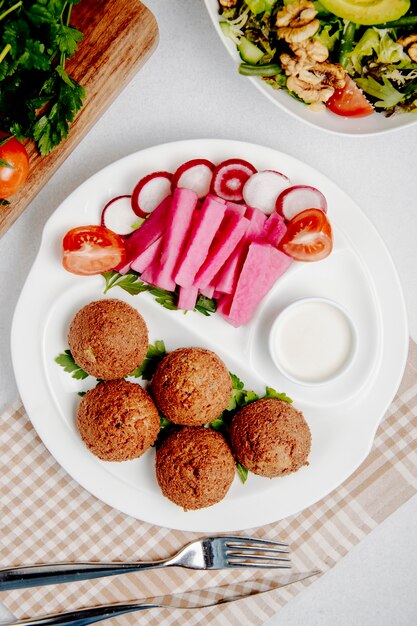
(249, 52)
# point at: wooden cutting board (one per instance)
(119, 36)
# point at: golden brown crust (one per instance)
(191, 386)
(270, 438)
(108, 339)
(194, 467)
(117, 420)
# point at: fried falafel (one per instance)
(108, 339)
(117, 420)
(270, 438)
(191, 386)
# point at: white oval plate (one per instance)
(326, 120)
(343, 415)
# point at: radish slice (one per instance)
(229, 177)
(262, 190)
(196, 175)
(118, 215)
(150, 191)
(299, 198)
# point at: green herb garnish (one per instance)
(132, 283)
(66, 360)
(38, 99)
(242, 397)
(154, 355)
(242, 472)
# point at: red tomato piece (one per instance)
(308, 236)
(350, 101)
(14, 165)
(92, 250)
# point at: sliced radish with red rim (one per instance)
(229, 178)
(150, 191)
(196, 174)
(119, 216)
(299, 198)
(263, 188)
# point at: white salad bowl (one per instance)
(325, 119)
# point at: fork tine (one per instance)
(260, 565)
(240, 540)
(249, 550)
(255, 557)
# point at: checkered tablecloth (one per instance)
(46, 516)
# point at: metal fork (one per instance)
(209, 553)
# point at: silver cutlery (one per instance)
(209, 553)
(187, 600)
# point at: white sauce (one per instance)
(312, 341)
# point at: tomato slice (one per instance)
(350, 101)
(14, 165)
(91, 250)
(308, 236)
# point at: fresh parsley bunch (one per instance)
(38, 99)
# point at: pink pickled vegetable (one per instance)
(208, 291)
(234, 207)
(176, 235)
(146, 234)
(274, 229)
(196, 175)
(229, 177)
(200, 239)
(187, 298)
(223, 245)
(227, 277)
(263, 265)
(148, 256)
(263, 188)
(297, 198)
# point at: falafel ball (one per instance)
(108, 339)
(191, 386)
(117, 420)
(194, 467)
(270, 438)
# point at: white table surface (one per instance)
(189, 88)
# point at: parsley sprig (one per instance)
(38, 98)
(66, 360)
(131, 283)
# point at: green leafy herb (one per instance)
(38, 99)
(388, 96)
(271, 393)
(66, 360)
(242, 472)
(241, 397)
(154, 355)
(132, 283)
(163, 422)
(4, 163)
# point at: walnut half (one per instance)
(410, 46)
(296, 21)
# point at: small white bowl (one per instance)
(326, 120)
(319, 349)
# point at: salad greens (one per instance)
(381, 59)
(131, 283)
(38, 98)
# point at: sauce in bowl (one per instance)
(312, 341)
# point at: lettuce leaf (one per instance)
(388, 96)
(377, 43)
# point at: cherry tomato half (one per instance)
(14, 165)
(350, 101)
(308, 236)
(92, 250)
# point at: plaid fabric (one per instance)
(46, 516)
